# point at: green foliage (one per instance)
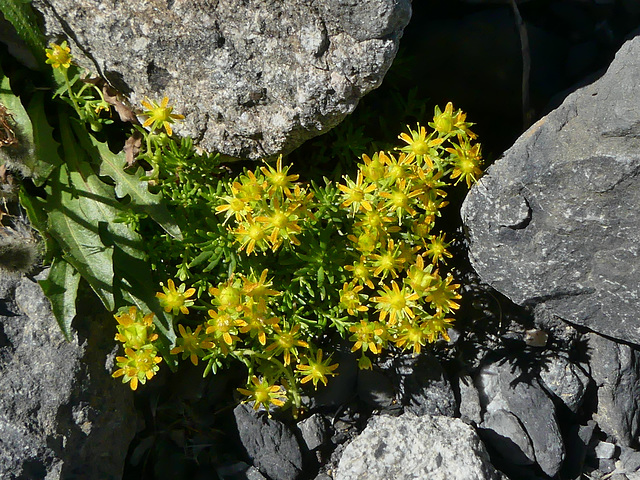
(20, 14)
(252, 265)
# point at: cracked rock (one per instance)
(253, 78)
(554, 222)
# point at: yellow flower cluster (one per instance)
(141, 359)
(397, 293)
(268, 208)
(243, 322)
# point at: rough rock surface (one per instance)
(411, 447)
(254, 78)
(615, 369)
(555, 221)
(270, 444)
(565, 380)
(61, 413)
(519, 418)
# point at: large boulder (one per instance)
(61, 413)
(409, 447)
(555, 222)
(254, 78)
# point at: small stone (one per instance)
(470, 408)
(314, 431)
(605, 450)
(565, 380)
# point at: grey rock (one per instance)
(410, 447)
(254, 78)
(517, 411)
(61, 413)
(504, 432)
(555, 222)
(567, 381)
(605, 450)
(615, 369)
(630, 460)
(470, 408)
(270, 444)
(314, 431)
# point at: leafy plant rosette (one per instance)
(217, 265)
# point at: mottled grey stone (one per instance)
(270, 444)
(615, 369)
(470, 408)
(411, 447)
(503, 431)
(61, 413)
(565, 380)
(254, 78)
(605, 450)
(519, 414)
(555, 221)
(314, 431)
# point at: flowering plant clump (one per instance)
(281, 266)
(220, 265)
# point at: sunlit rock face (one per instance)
(253, 78)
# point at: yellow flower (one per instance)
(251, 236)
(373, 168)
(173, 300)
(286, 342)
(282, 224)
(442, 295)
(350, 299)
(278, 178)
(228, 295)
(421, 278)
(191, 344)
(135, 330)
(411, 336)
(437, 249)
(263, 393)
(401, 198)
(397, 304)
(59, 56)
(419, 145)
(388, 262)
(449, 123)
(355, 194)
(361, 272)
(234, 207)
(160, 115)
(255, 321)
(435, 326)
(258, 288)
(317, 369)
(368, 336)
(250, 188)
(224, 326)
(466, 161)
(137, 366)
